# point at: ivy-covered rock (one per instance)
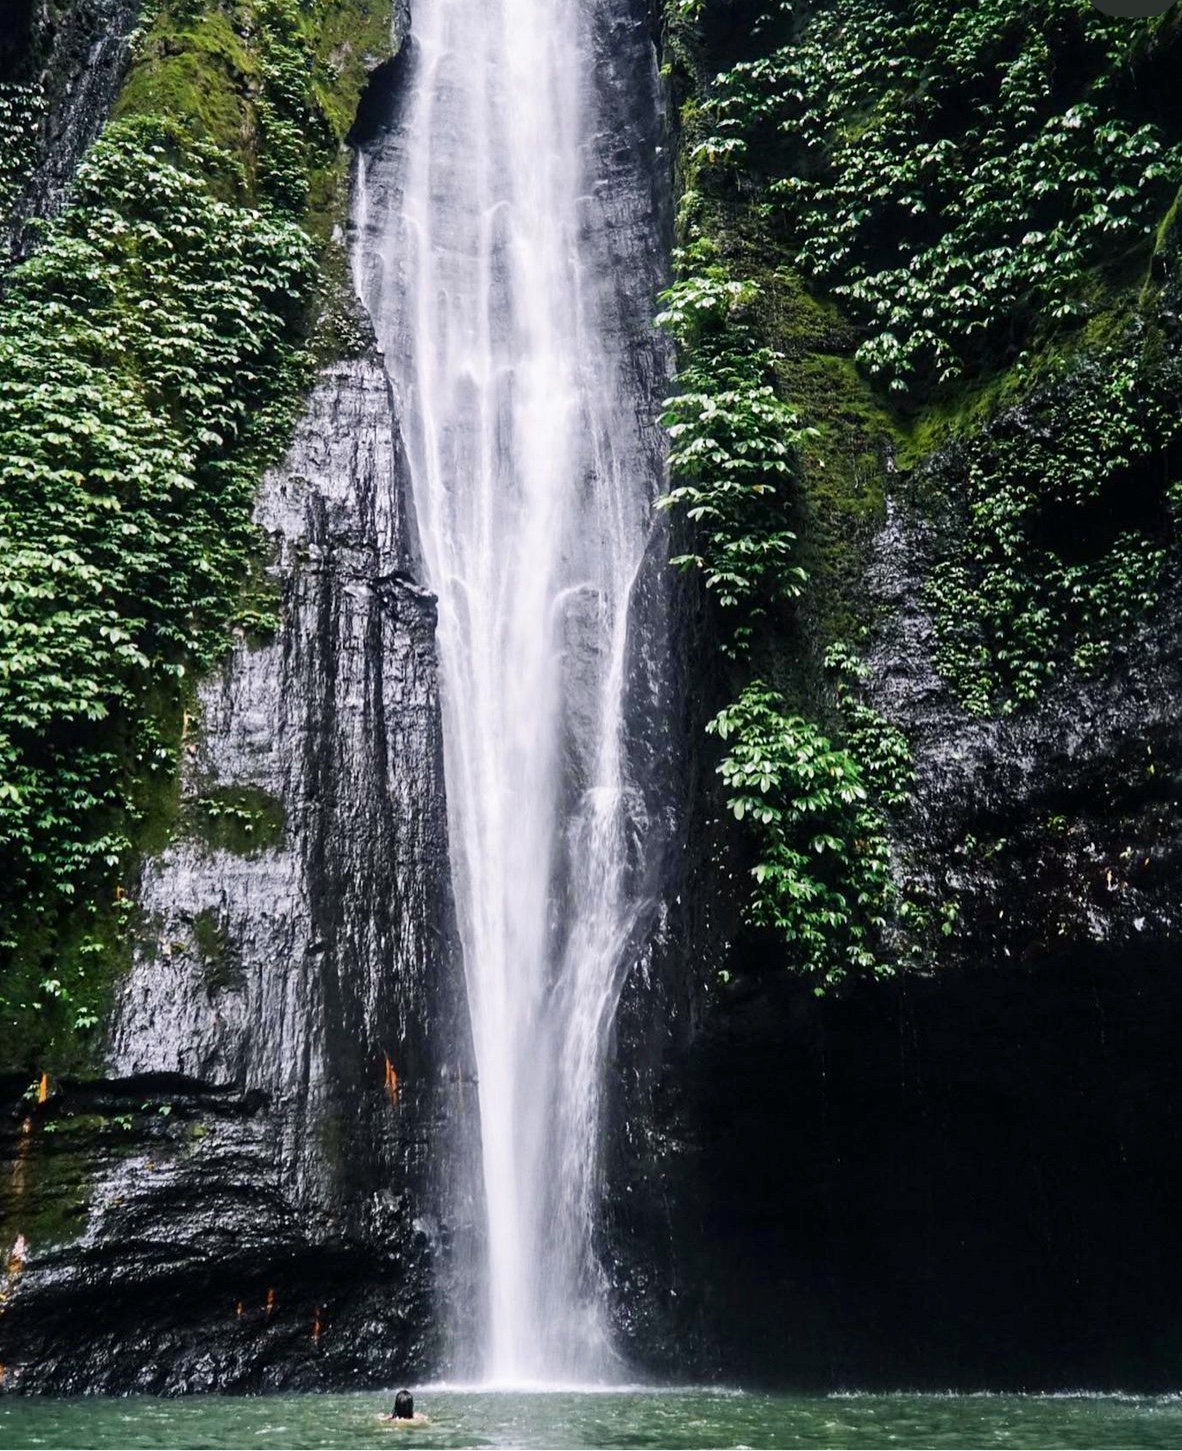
(1000, 162)
(154, 351)
(934, 245)
(149, 357)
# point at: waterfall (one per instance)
(507, 247)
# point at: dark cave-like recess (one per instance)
(965, 1181)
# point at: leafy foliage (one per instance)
(985, 193)
(273, 82)
(286, 107)
(733, 444)
(149, 363)
(814, 810)
(952, 172)
(823, 877)
(151, 357)
(1067, 534)
(240, 819)
(21, 107)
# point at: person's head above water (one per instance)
(404, 1406)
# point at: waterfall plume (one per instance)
(491, 218)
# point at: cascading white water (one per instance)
(484, 256)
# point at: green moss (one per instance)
(59, 986)
(838, 500)
(201, 76)
(209, 936)
(332, 1135)
(256, 616)
(957, 413)
(221, 968)
(1018, 170)
(746, 199)
(843, 462)
(240, 819)
(152, 368)
(45, 1189)
(260, 77)
(1060, 524)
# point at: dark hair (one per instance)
(404, 1406)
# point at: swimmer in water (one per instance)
(403, 1413)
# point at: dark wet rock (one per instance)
(263, 1179)
(968, 1177)
(649, 1232)
(1057, 826)
(965, 1177)
(76, 54)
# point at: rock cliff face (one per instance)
(966, 1176)
(260, 1183)
(74, 56)
(624, 226)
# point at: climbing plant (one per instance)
(812, 801)
(149, 362)
(823, 877)
(153, 354)
(972, 186)
(733, 446)
(21, 107)
(954, 173)
(1066, 529)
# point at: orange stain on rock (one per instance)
(20, 1165)
(270, 1306)
(391, 1082)
(16, 1257)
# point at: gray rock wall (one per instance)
(290, 1046)
(966, 1176)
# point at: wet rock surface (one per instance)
(623, 227)
(967, 1181)
(261, 1188)
(965, 1177)
(76, 55)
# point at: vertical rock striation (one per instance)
(289, 1056)
(511, 236)
(966, 1176)
(75, 56)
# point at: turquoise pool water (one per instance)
(672, 1418)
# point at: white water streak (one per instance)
(533, 506)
